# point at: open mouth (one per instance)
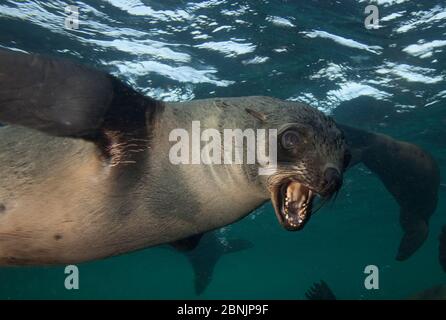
(293, 204)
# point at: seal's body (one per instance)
(61, 202)
(85, 171)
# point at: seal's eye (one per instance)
(290, 139)
(347, 159)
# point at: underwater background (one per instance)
(390, 80)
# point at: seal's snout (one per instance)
(312, 155)
(332, 182)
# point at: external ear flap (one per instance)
(256, 114)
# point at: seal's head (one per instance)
(311, 158)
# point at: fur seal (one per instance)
(409, 173)
(85, 170)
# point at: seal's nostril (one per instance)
(331, 174)
(333, 180)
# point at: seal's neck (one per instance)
(229, 190)
(216, 139)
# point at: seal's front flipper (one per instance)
(55, 96)
(206, 255)
(187, 244)
(409, 173)
(62, 98)
(442, 249)
(320, 291)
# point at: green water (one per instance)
(361, 228)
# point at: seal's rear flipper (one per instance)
(409, 173)
(442, 249)
(62, 98)
(320, 291)
(206, 254)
